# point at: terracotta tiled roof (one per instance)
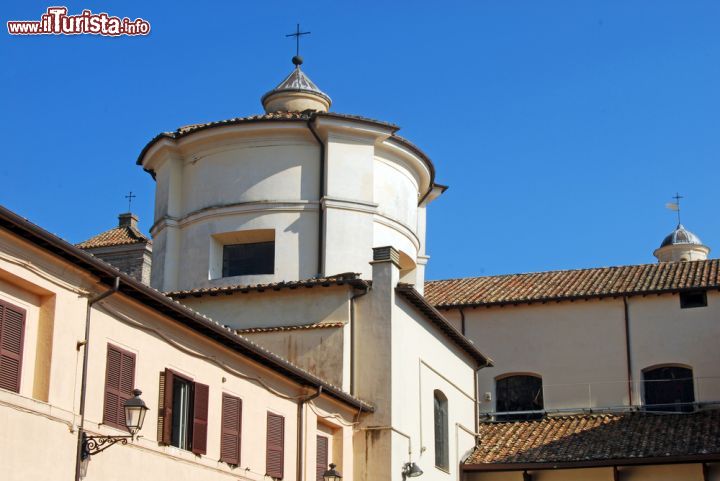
(301, 327)
(269, 117)
(574, 284)
(336, 280)
(115, 237)
(303, 116)
(583, 438)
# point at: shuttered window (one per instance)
(183, 413)
(12, 333)
(231, 427)
(275, 446)
(200, 419)
(322, 457)
(119, 385)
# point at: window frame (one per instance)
(226, 431)
(688, 302)
(537, 404)
(271, 448)
(267, 267)
(195, 418)
(321, 465)
(120, 409)
(441, 431)
(7, 354)
(686, 383)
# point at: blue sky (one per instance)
(562, 127)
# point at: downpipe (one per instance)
(85, 344)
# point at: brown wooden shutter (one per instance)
(322, 457)
(275, 446)
(200, 419)
(231, 428)
(119, 385)
(12, 335)
(167, 403)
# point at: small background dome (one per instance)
(681, 236)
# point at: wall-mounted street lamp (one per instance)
(332, 474)
(411, 470)
(135, 410)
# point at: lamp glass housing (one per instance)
(135, 410)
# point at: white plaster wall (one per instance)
(571, 345)
(295, 229)
(263, 175)
(424, 360)
(663, 333)
(579, 347)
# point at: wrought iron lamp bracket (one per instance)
(97, 444)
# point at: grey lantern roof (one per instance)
(681, 236)
(297, 81)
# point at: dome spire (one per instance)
(297, 60)
(296, 93)
(680, 244)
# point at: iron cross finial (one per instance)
(130, 198)
(677, 198)
(297, 59)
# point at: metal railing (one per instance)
(613, 396)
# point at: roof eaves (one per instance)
(351, 279)
(640, 461)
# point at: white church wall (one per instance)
(425, 360)
(562, 342)
(266, 176)
(662, 333)
(579, 347)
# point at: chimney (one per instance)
(128, 220)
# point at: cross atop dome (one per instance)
(296, 93)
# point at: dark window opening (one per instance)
(248, 259)
(184, 412)
(669, 388)
(182, 409)
(519, 393)
(442, 457)
(693, 299)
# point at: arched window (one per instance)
(520, 392)
(668, 388)
(442, 457)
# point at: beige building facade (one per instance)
(49, 283)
